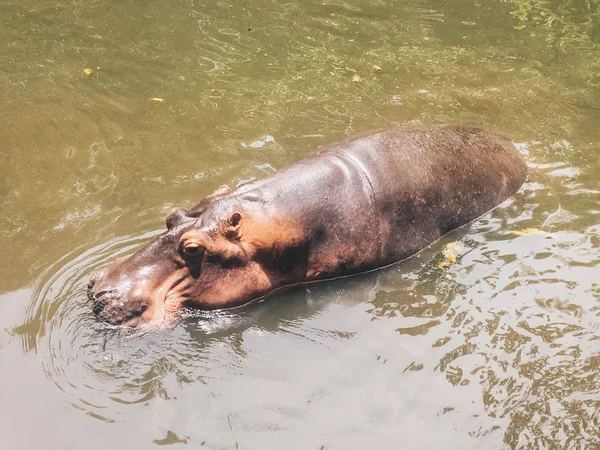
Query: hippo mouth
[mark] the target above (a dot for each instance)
(134, 307)
(111, 306)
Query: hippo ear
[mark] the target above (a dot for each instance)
(174, 217)
(233, 225)
(224, 189)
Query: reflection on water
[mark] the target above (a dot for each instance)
(497, 350)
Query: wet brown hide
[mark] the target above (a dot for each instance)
(351, 207)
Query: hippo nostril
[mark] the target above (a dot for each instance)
(103, 293)
(94, 277)
(99, 300)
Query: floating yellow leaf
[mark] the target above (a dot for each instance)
(450, 253)
(157, 99)
(88, 72)
(376, 68)
(528, 231)
(356, 78)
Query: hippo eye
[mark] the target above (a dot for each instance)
(191, 249)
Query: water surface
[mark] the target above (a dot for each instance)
(499, 350)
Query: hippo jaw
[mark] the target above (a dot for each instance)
(147, 287)
(135, 301)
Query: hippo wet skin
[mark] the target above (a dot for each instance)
(351, 207)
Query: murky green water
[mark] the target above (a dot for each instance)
(500, 350)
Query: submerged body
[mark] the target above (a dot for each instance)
(351, 207)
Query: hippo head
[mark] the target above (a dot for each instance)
(211, 257)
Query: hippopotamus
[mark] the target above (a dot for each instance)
(350, 207)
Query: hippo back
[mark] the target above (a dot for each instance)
(373, 200)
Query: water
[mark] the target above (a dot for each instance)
(498, 350)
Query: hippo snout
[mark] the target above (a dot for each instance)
(100, 298)
(118, 301)
(117, 308)
(96, 297)
(94, 277)
(100, 301)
